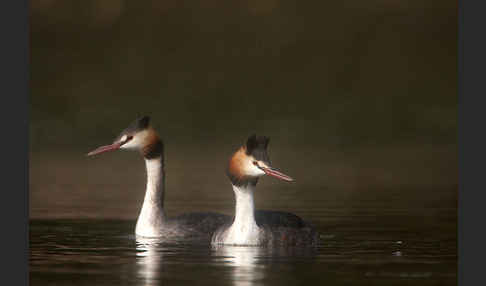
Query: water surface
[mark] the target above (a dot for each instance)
(383, 220)
(105, 252)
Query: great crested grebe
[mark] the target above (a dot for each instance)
(250, 227)
(152, 221)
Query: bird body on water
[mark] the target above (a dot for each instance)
(262, 228)
(152, 220)
(247, 227)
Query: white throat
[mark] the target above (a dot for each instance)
(152, 216)
(244, 229)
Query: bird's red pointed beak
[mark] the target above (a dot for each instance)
(105, 148)
(274, 173)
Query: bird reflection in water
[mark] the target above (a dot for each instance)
(149, 260)
(245, 265)
(248, 262)
(243, 261)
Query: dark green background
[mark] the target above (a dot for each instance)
(355, 95)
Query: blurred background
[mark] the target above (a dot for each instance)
(358, 97)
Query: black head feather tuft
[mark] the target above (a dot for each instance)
(257, 147)
(139, 124)
(254, 142)
(136, 126)
(142, 122)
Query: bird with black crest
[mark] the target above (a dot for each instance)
(152, 220)
(259, 228)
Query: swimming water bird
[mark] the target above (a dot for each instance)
(152, 220)
(250, 227)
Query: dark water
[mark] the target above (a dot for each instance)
(361, 252)
(382, 223)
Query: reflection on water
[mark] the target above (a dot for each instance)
(105, 252)
(238, 255)
(248, 263)
(149, 260)
(243, 262)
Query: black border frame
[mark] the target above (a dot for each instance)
(14, 29)
(471, 142)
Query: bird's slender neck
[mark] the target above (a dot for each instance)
(244, 230)
(152, 215)
(245, 205)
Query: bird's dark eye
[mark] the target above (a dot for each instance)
(128, 138)
(255, 163)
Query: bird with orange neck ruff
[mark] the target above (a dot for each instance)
(259, 228)
(152, 220)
